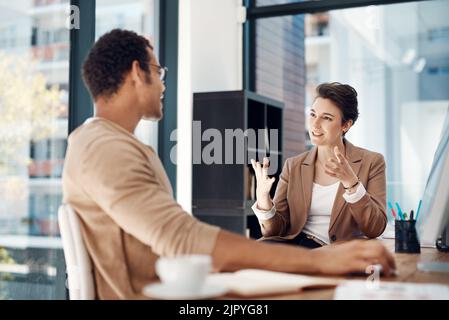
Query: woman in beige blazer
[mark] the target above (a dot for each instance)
(334, 192)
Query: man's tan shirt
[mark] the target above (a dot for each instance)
(118, 187)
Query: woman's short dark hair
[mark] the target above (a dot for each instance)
(344, 96)
(111, 58)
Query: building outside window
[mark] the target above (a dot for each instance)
(34, 75)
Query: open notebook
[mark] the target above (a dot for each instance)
(254, 282)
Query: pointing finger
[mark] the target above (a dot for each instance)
(338, 154)
(336, 150)
(253, 163)
(259, 168)
(256, 167)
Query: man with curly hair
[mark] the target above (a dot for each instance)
(118, 187)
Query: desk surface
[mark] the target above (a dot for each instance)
(406, 265)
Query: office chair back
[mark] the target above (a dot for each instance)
(80, 278)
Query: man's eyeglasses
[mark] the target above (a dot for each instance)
(162, 70)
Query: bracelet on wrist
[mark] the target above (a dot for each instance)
(347, 188)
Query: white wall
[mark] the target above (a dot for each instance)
(210, 59)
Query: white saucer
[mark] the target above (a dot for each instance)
(161, 291)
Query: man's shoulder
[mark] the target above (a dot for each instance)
(92, 128)
(94, 135)
(96, 145)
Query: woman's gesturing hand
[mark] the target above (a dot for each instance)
(340, 168)
(264, 184)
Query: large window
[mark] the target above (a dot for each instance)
(34, 51)
(397, 58)
(34, 76)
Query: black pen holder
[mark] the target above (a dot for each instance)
(406, 239)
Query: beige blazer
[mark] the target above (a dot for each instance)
(118, 187)
(365, 218)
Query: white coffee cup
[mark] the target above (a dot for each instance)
(184, 273)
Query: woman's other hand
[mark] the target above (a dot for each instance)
(340, 168)
(264, 184)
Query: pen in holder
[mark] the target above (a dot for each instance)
(406, 239)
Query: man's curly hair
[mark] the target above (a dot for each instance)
(111, 58)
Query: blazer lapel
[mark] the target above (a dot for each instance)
(355, 160)
(307, 173)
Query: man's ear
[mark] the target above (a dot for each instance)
(137, 74)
